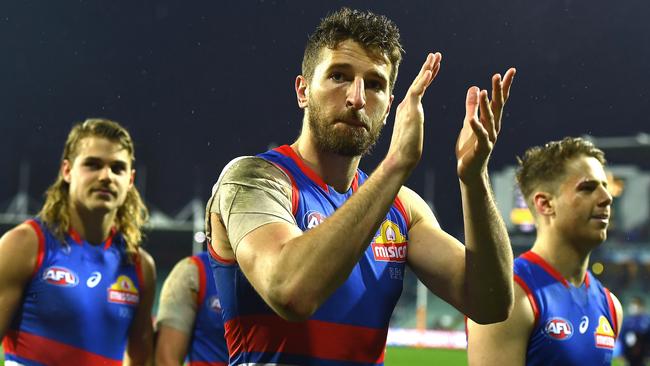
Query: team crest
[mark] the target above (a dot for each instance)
(312, 219)
(123, 291)
(559, 329)
(389, 245)
(604, 334)
(60, 276)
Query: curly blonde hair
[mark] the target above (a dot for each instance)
(130, 217)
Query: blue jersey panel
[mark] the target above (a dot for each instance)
(350, 327)
(82, 298)
(208, 344)
(575, 325)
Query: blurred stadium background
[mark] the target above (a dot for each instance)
(200, 84)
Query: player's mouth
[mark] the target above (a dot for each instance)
(354, 123)
(104, 192)
(604, 218)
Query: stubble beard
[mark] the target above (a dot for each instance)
(350, 142)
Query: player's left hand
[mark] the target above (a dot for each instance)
(479, 133)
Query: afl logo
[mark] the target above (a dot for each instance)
(559, 329)
(312, 219)
(215, 304)
(60, 276)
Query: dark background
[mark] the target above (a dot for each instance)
(199, 83)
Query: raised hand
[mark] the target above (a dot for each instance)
(479, 133)
(406, 143)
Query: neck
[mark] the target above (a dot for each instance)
(336, 171)
(91, 226)
(569, 259)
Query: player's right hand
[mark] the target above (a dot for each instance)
(408, 133)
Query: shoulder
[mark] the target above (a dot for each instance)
(416, 207)
(185, 270)
(184, 275)
(21, 245)
(246, 168)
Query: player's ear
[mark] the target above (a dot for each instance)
(544, 204)
(302, 91)
(390, 103)
(66, 167)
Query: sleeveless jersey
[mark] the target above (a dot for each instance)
(207, 346)
(350, 328)
(573, 325)
(78, 307)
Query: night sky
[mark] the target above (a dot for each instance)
(199, 83)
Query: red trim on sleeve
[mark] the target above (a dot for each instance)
(49, 352)
(295, 193)
(530, 296)
(202, 280)
(535, 258)
(287, 151)
(217, 258)
(315, 338)
(138, 270)
(400, 207)
(41, 245)
(612, 311)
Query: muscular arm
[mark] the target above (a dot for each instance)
(476, 279)
(176, 313)
(488, 256)
(18, 253)
(295, 272)
(503, 343)
(139, 349)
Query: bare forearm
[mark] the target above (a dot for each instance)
(313, 265)
(488, 261)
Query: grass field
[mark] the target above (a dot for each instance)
(405, 356)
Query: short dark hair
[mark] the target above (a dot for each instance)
(372, 31)
(544, 166)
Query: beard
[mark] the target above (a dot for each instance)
(350, 141)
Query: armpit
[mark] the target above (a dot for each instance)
(252, 192)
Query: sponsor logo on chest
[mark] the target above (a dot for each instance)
(389, 245)
(123, 291)
(604, 334)
(559, 329)
(60, 276)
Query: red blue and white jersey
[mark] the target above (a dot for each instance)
(78, 307)
(350, 328)
(208, 345)
(573, 325)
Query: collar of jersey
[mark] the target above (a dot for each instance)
(77, 238)
(535, 258)
(288, 151)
